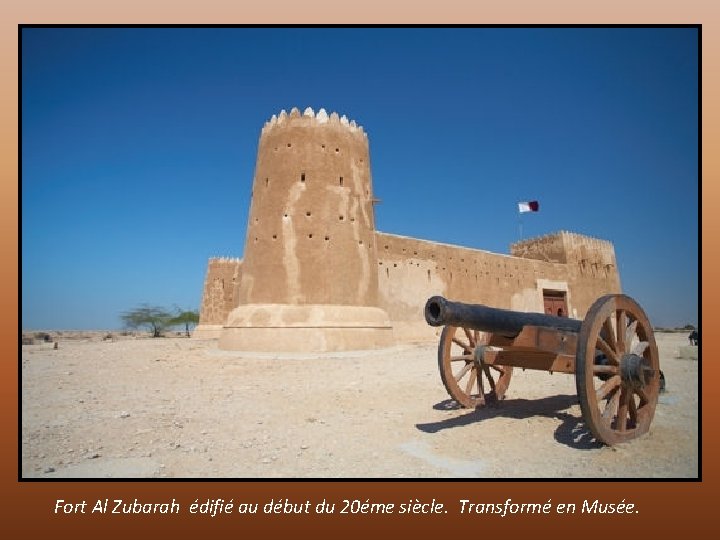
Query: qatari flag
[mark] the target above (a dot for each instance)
(530, 206)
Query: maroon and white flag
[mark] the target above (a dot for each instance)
(529, 206)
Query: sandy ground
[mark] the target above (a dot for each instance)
(178, 407)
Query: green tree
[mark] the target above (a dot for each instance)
(187, 318)
(154, 318)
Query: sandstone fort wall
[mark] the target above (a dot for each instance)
(315, 271)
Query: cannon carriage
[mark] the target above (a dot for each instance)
(612, 353)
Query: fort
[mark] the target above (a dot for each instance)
(317, 276)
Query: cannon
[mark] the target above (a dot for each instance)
(612, 353)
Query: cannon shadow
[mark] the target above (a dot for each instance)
(571, 431)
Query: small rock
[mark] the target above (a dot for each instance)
(49, 469)
(93, 455)
(124, 414)
(304, 447)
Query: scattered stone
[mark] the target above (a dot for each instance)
(124, 414)
(304, 447)
(49, 470)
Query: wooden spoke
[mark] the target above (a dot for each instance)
(465, 346)
(490, 379)
(481, 386)
(621, 328)
(470, 337)
(644, 398)
(608, 351)
(471, 381)
(611, 406)
(609, 385)
(640, 348)
(630, 333)
(600, 369)
(467, 386)
(608, 333)
(621, 420)
(467, 367)
(632, 410)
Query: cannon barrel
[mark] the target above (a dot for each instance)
(442, 312)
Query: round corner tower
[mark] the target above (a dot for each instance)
(309, 278)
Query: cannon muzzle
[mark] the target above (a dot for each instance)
(442, 312)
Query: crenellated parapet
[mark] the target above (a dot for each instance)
(309, 118)
(564, 247)
(317, 276)
(225, 260)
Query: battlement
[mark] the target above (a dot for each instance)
(317, 275)
(309, 118)
(564, 246)
(225, 260)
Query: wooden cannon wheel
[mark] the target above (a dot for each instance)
(466, 382)
(617, 370)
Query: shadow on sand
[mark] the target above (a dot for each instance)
(571, 431)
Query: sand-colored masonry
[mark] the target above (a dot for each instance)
(311, 242)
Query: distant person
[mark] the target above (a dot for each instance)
(694, 337)
(560, 312)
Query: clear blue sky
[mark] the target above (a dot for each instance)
(139, 146)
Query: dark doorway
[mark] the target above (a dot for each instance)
(555, 302)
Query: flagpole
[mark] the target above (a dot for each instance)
(520, 225)
(531, 206)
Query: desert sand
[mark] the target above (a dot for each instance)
(180, 408)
